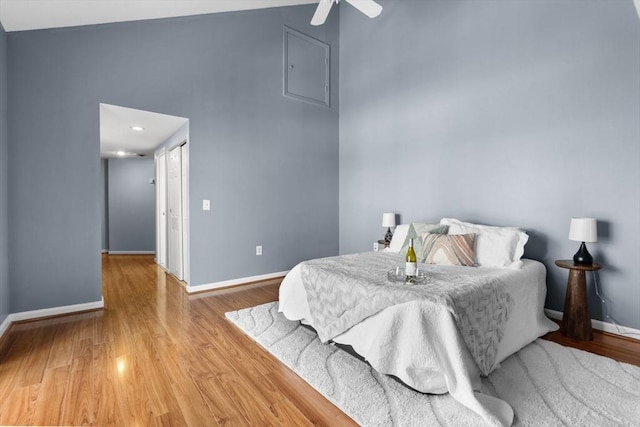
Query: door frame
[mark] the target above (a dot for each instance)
(160, 160)
(184, 183)
(186, 270)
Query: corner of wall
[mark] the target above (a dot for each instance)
(4, 188)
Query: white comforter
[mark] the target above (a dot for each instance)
(419, 342)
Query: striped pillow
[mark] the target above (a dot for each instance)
(449, 249)
(416, 229)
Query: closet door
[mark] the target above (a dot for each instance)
(175, 212)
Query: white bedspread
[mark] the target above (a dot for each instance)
(418, 341)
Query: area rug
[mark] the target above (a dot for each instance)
(546, 384)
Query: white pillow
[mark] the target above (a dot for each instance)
(495, 246)
(399, 236)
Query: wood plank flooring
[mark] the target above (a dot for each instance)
(158, 356)
(622, 348)
(153, 356)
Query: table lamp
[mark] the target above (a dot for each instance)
(388, 220)
(583, 230)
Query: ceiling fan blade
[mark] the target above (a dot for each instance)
(322, 12)
(368, 7)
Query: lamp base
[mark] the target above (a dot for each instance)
(387, 237)
(583, 256)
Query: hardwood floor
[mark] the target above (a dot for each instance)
(156, 355)
(624, 349)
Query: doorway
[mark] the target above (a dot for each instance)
(130, 134)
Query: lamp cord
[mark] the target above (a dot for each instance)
(606, 308)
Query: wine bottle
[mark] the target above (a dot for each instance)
(411, 265)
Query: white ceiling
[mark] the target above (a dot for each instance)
(116, 133)
(19, 15)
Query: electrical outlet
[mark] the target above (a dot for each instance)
(375, 246)
(258, 250)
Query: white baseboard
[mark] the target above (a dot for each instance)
(5, 325)
(47, 312)
(234, 282)
(54, 311)
(132, 252)
(623, 331)
(552, 314)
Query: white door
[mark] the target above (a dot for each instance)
(175, 212)
(184, 152)
(161, 209)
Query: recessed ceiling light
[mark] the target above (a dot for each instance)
(121, 153)
(137, 128)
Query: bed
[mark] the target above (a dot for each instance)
(437, 337)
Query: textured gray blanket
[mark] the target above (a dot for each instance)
(344, 290)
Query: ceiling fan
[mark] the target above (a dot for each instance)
(368, 7)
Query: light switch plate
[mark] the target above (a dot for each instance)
(206, 205)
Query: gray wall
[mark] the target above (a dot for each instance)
(518, 113)
(131, 205)
(268, 163)
(4, 230)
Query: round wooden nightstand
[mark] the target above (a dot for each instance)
(576, 321)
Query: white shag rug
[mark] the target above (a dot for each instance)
(546, 384)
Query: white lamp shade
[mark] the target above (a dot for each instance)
(388, 220)
(583, 230)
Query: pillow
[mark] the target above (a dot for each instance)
(448, 249)
(500, 247)
(416, 229)
(399, 236)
